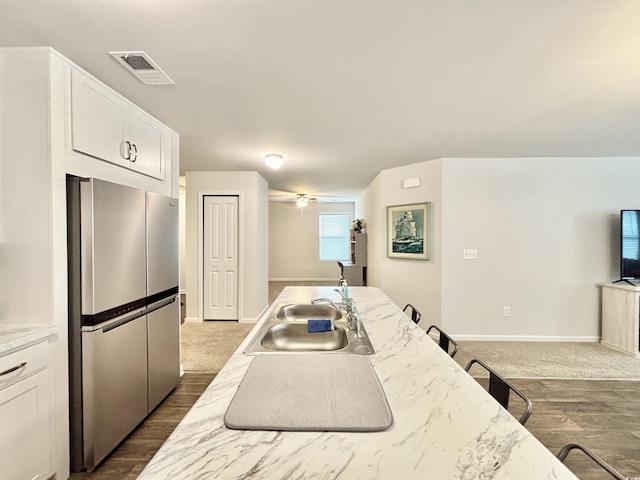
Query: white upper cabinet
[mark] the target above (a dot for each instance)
(106, 126)
(147, 144)
(99, 120)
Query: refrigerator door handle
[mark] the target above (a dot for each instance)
(115, 323)
(159, 305)
(123, 321)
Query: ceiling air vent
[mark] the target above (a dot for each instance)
(141, 65)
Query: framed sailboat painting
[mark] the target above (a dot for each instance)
(408, 233)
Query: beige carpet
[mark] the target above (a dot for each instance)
(562, 360)
(207, 346)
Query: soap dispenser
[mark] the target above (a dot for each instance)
(345, 291)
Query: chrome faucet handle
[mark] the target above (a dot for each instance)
(341, 294)
(357, 332)
(348, 301)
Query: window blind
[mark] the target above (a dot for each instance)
(334, 237)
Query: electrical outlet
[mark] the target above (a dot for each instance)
(506, 311)
(470, 253)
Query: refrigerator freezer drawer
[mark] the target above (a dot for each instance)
(114, 390)
(163, 330)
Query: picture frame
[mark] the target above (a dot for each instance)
(408, 232)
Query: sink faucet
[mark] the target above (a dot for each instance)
(327, 300)
(353, 320)
(347, 301)
(350, 306)
(332, 303)
(354, 323)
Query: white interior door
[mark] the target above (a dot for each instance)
(220, 267)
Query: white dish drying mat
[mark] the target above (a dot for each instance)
(310, 392)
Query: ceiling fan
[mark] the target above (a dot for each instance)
(300, 199)
(292, 197)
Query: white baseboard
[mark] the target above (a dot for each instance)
(304, 280)
(621, 350)
(254, 320)
(525, 338)
(240, 320)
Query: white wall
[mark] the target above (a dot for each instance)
(294, 241)
(252, 190)
(546, 231)
(25, 192)
(404, 281)
(182, 209)
(546, 234)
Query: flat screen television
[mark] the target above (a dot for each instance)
(630, 244)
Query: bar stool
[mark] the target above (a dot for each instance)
(564, 451)
(500, 389)
(444, 341)
(341, 265)
(415, 314)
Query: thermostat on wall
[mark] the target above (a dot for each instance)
(411, 182)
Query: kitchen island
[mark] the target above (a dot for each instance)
(445, 424)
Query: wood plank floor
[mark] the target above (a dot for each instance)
(130, 458)
(602, 415)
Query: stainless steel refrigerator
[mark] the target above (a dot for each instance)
(124, 349)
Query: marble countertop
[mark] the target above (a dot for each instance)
(14, 337)
(445, 424)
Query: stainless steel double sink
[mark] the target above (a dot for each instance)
(285, 331)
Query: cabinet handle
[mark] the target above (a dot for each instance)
(17, 367)
(125, 150)
(135, 153)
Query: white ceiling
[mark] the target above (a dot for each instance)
(344, 89)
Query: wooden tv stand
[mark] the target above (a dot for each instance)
(621, 317)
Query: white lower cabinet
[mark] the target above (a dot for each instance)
(25, 414)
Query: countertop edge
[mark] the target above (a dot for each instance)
(14, 337)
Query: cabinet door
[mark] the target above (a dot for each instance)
(147, 136)
(24, 437)
(99, 120)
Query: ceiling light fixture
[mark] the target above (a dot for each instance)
(302, 200)
(273, 160)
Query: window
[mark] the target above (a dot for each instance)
(334, 237)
